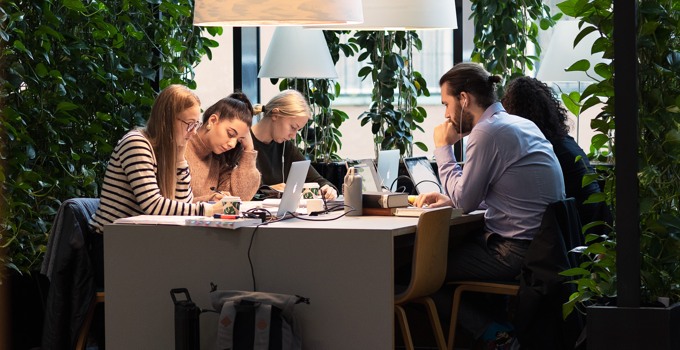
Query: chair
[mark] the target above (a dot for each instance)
(540, 288)
(479, 287)
(428, 271)
(68, 264)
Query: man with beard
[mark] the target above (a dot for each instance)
(511, 170)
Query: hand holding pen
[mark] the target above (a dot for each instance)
(217, 195)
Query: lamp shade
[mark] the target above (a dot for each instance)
(561, 54)
(243, 13)
(403, 15)
(298, 53)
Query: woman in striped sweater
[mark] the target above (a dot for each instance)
(147, 172)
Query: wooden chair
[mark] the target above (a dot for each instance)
(81, 342)
(479, 287)
(428, 271)
(546, 256)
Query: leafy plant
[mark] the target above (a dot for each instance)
(658, 54)
(504, 31)
(388, 55)
(76, 76)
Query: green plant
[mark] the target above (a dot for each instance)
(390, 67)
(76, 76)
(504, 31)
(659, 150)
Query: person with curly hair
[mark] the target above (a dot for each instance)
(534, 100)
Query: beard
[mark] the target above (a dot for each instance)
(466, 127)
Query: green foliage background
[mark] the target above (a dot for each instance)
(76, 75)
(658, 54)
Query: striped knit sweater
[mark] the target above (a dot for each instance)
(130, 187)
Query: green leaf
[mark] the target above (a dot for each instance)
(582, 34)
(604, 70)
(577, 271)
(74, 5)
(571, 101)
(66, 106)
(597, 197)
(579, 66)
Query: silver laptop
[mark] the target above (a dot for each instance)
(388, 168)
(370, 181)
(293, 190)
(422, 174)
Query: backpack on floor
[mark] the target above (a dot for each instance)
(256, 320)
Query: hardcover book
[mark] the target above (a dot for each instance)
(384, 200)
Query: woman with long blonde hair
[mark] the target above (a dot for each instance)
(147, 172)
(274, 139)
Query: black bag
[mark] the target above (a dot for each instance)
(256, 320)
(187, 330)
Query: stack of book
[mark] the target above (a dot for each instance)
(383, 203)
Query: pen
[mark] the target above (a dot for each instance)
(225, 216)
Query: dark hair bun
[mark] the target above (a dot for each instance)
(238, 95)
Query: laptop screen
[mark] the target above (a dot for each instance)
(424, 178)
(294, 185)
(388, 168)
(369, 178)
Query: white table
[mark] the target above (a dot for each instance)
(345, 268)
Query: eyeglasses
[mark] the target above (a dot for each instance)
(191, 126)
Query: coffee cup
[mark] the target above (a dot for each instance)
(232, 205)
(311, 190)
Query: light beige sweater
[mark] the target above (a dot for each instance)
(208, 170)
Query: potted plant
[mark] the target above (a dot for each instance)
(654, 323)
(504, 31)
(393, 118)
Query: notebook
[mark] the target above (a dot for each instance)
(388, 168)
(294, 185)
(422, 174)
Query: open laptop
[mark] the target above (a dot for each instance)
(422, 174)
(388, 168)
(370, 181)
(294, 185)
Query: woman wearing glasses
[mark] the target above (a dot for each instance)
(147, 172)
(274, 139)
(221, 154)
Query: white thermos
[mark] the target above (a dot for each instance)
(351, 190)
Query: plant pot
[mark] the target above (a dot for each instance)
(612, 327)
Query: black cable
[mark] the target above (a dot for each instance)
(295, 215)
(265, 221)
(269, 221)
(438, 185)
(401, 177)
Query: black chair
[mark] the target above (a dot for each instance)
(540, 291)
(73, 264)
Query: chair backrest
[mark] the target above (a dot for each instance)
(429, 254)
(68, 265)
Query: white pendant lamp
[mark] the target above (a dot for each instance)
(244, 13)
(298, 53)
(403, 15)
(561, 54)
